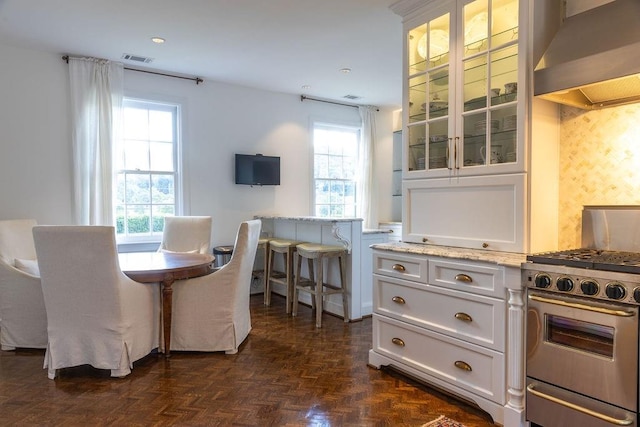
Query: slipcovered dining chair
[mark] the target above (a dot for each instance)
(23, 318)
(186, 234)
(211, 313)
(96, 315)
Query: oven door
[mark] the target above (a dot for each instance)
(585, 346)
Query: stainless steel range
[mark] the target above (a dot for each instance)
(582, 325)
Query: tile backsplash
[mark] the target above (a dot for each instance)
(599, 163)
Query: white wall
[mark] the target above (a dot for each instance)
(219, 121)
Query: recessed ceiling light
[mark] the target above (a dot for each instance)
(158, 40)
(306, 86)
(345, 70)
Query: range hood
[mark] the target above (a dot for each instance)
(594, 59)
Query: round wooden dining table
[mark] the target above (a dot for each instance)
(165, 268)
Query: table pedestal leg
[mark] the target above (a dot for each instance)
(167, 299)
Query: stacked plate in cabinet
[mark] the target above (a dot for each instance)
(509, 122)
(481, 126)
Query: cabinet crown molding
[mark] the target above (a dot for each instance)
(406, 7)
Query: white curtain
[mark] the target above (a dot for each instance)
(367, 185)
(96, 104)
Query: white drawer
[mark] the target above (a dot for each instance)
(441, 357)
(473, 318)
(464, 276)
(400, 265)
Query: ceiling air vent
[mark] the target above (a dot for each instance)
(136, 58)
(352, 97)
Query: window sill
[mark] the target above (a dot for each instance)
(138, 247)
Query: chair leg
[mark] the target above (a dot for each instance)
(294, 294)
(51, 373)
(319, 293)
(265, 268)
(312, 283)
(267, 282)
(345, 306)
(289, 274)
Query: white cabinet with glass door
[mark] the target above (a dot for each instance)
(461, 109)
(469, 114)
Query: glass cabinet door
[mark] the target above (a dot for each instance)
(428, 55)
(489, 71)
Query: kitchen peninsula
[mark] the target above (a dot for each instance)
(347, 232)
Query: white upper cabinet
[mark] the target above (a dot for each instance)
(461, 104)
(480, 158)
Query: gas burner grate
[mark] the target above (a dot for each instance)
(595, 259)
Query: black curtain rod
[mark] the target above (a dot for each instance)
(303, 97)
(198, 80)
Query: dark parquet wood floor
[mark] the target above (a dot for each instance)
(287, 373)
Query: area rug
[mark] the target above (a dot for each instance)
(443, 421)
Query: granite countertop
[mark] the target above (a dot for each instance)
(507, 259)
(307, 218)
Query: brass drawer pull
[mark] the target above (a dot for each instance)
(398, 267)
(397, 341)
(463, 316)
(463, 365)
(461, 277)
(398, 300)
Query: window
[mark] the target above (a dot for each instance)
(335, 162)
(146, 169)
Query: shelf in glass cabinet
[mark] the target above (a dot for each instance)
(509, 35)
(501, 135)
(433, 113)
(481, 102)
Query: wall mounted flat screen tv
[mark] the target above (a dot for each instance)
(257, 169)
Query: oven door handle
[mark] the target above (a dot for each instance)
(603, 417)
(620, 313)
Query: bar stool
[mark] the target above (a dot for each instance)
(263, 245)
(287, 248)
(318, 288)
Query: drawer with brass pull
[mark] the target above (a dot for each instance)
(400, 265)
(473, 318)
(474, 368)
(469, 277)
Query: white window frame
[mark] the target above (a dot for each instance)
(333, 124)
(177, 107)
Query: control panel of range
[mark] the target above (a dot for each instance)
(623, 288)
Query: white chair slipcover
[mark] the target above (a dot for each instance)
(211, 313)
(186, 234)
(23, 318)
(96, 315)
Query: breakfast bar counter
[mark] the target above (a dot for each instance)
(347, 232)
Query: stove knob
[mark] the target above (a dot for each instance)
(564, 284)
(589, 287)
(615, 291)
(636, 294)
(542, 280)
